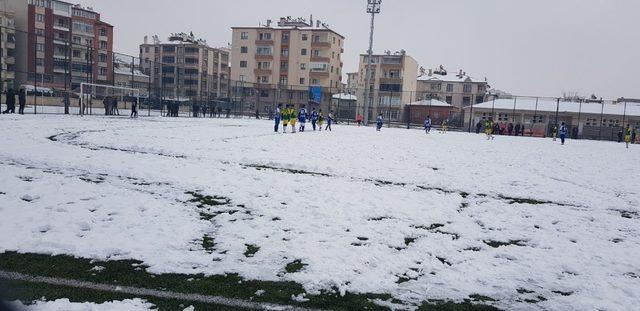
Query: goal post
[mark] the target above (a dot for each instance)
(107, 96)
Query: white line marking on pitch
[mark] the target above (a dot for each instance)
(137, 291)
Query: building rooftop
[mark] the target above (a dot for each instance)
(550, 105)
(293, 23)
(443, 75)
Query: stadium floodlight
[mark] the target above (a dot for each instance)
(373, 8)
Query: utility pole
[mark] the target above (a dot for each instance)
(373, 8)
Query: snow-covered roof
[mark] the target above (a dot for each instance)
(344, 96)
(430, 102)
(450, 77)
(550, 105)
(127, 71)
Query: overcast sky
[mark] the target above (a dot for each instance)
(541, 47)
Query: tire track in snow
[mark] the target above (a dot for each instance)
(146, 292)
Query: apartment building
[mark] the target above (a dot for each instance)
(7, 50)
(185, 68)
(295, 55)
(393, 84)
(457, 89)
(352, 82)
(62, 44)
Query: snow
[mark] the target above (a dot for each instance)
(396, 212)
(344, 96)
(549, 105)
(430, 102)
(66, 305)
(450, 77)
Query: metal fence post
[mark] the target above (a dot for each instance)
(601, 120)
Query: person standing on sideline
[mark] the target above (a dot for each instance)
(320, 120)
(329, 121)
(427, 124)
(285, 119)
(379, 122)
(278, 117)
(11, 102)
(554, 132)
(134, 108)
(302, 117)
(563, 132)
(488, 128)
(633, 136)
(627, 135)
(22, 100)
(359, 119)
(478, 127)
(314, 118)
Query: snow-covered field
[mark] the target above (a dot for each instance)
(419, 217)
(66, 305)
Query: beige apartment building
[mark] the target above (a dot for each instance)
(457, 89)
(7, 50)
(287, 63)
(393, 84)
(185, 68)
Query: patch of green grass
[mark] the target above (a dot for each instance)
(478, 297)
(251, 250)
(442, 305)
(295, 266)
(409, 240)
(207, 200)
(208, 243)
(496, 244)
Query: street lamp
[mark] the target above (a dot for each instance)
(373, 8)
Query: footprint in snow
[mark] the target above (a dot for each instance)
(29, 198)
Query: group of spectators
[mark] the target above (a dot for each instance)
(502, 128)
(11, 101)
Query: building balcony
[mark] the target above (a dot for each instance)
(10, 60)
(264, 42)
(64, 28)
(57, 69)
(397, 80)
(9, 45)
(319, 74)
(264, 57)
(320, 59)
(321, 44)
(60, 42)
(262, 72)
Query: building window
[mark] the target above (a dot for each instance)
(303, 66)
(449, 88)
(39, 47)
(264, 79)
(103, 45)
(103, 71)
(449, 100)
(466, 101)
(503, 117)
(102, 58)
(466, 88)
(168, 59)
(244, 35)
(284, 81)
(103, 32)
(76, 53)
(244, 50)
(264, 65)
(303, 52)
(314, 82)
(39, 62)
(264, 50)
(285, 37)
(265, 36)
(168, 49)
(243, 64)
(40, 18)
(302, 81)
(304, 37)
(285, 52)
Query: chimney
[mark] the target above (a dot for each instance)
(318, 24)
(146, 39)
(460, 73)
(430, 72)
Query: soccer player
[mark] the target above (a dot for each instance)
(302, 117)
(292, 118)
(488, 128)
(445, 126)
(563, 132)
(329, 121)
(314, 118)
(320, 120)
(285, 119)
(554, 132)
(278, 117)
(627, 136)
(379, 122)
(427, 124)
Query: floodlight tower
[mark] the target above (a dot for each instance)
(373, 8)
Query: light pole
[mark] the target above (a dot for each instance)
(373, 8)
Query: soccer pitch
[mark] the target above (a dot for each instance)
(348, 219)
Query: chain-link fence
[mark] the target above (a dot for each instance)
(51, 70)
